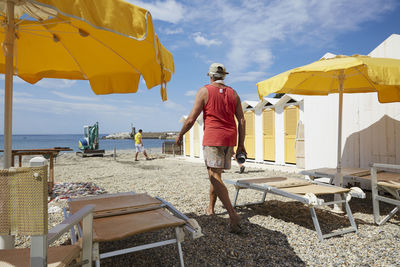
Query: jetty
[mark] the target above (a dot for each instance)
(145, 135)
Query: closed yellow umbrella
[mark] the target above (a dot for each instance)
(342, 74)
(109, 43)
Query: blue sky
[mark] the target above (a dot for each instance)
(254, 39)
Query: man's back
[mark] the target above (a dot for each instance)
(218, 114)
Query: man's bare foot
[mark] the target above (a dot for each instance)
(235, 227)
(210, 212)
(236, 220)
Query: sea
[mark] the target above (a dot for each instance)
(38, 141)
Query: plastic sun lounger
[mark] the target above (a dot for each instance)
(118, 216)
(388, 182)
(303, 191)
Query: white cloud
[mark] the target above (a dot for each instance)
(168, 10)
(26, 104)
(190, 93)
(201, 40)
(251, 96)
(171, 31)
(22, 94)
(251, 76)
(73, 97)
(174, 106)
(60, 107)
(55, 83)
(16, 93)
(250, 30)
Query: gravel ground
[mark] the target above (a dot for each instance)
(279, 232)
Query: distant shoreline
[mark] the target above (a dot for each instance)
(145, 135)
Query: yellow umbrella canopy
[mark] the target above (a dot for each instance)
(109, 43)
(341, 74)
(356, 74)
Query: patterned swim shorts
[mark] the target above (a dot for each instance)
(219, 157)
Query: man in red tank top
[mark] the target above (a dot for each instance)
(220, 105)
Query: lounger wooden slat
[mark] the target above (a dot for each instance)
(58, 256)
(131, 224)
(115, 203)
(303, 191)
(316, 190)
(278, 182)
(390, 183)
(123, 215)
(331, 172)
(24, 211)
(353, 176)
(384, 176)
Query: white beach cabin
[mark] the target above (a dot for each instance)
(302, 130)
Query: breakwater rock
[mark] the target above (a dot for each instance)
(123, 135)
(146, 135)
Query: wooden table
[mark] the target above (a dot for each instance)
(50, 152)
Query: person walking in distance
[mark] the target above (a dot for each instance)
(139, 145)
(220, 105)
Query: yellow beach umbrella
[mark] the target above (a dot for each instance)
(342, 74)
(109, 43)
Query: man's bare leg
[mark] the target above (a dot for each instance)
(220, 190)
(145, 154)
(213, 200)
(137, 153)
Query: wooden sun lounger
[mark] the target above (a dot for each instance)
(388, 182)
(351, 176)
(304, 191)
(118, 216)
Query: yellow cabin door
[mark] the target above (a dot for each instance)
(249, 137)
(196, 140)
(269, 134)
(187, 143)
(291, 117)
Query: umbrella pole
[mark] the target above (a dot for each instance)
(7, 241)
(339, 176)
(8, 84)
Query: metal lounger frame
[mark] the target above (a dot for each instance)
(376, 197)
(320, 202)
(180, 235)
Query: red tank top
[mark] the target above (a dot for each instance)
(219, 117)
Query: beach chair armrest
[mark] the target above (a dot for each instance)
(385, 166)
(196, 233)
(191, 225)
(69, 222)
(356, 192)
(313, 200)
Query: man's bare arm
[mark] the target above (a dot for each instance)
(241, 125)
(199, 102)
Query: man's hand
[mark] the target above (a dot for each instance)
(241, 149)
(178, 139)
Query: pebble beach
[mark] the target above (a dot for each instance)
(279, 232)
